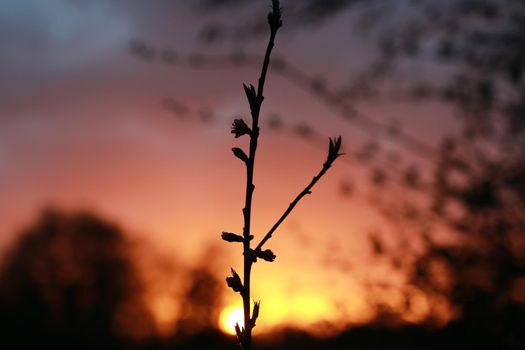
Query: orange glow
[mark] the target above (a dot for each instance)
(303, 311)
(311, 308)
(165, 312)
(230, 316)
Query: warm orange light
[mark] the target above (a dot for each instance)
(165, 312)
(229, 317)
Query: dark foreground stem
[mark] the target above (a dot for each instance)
(255, 107)
(255, 99)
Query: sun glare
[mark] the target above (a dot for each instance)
(229, 316)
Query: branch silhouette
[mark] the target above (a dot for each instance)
(315, 88)
(408, 179)
(333, 154)
(240, 128)
(302, 80)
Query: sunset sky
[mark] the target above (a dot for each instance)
(82, 126)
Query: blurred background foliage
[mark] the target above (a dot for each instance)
(72, 279)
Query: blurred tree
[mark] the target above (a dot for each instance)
(200, 303)
(478, 190)
(70, 281)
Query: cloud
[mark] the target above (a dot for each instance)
(58, 34)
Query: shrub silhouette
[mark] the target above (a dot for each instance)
(200, 302)
(69, 281)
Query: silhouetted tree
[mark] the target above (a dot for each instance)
(478, 190)
(200, 302)
(69, 281)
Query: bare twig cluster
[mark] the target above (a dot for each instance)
(342, 103)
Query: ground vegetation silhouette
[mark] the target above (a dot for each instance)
(69, 281)
(74, 280)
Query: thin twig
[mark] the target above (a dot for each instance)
(307, 190)
(255, 107)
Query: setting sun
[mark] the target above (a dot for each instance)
(229, 316)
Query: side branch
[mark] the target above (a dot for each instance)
(333, 154)
(307, 190)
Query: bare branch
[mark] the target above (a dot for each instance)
(333, 154)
